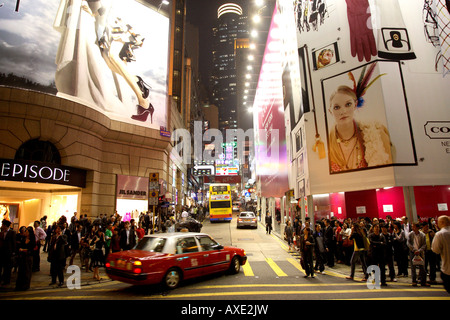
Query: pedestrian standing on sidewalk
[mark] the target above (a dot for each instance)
(57, 256)
(75, 243)
(108, 237)
(19, 238)
(289, 234)
(347, 244)
(400, 250)
(40, 239)
(330, 242)
(417, 246)
(441, 246)
(86, 251)
(339, 241)
(376, 251)
(26, 251)
(49, 232)
(430, 256)
(97, 243)
(268, 222)
(306, 250)
(319, 249)
(7, 250)
(389, 249)
(359, 252)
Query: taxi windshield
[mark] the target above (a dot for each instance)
(152, 244)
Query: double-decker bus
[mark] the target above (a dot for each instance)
(220, 202)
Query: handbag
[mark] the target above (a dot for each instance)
(418, 261)
(347, 242)
(366, 243)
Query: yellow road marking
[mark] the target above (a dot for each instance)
(296, 264)
(307, 292)
(275, 268)
(281, 285)
(248, 272)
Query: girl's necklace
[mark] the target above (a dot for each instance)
(355, 146)
(344, 141)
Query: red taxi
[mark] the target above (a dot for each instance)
(168, 258)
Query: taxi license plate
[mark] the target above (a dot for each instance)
(123, 264)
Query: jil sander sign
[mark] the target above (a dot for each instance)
(30, 171)
(131, 187)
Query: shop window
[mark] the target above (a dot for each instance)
(37, 150)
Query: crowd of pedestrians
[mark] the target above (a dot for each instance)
(82, 241)
(395, 246)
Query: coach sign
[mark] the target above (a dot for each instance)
(30, 171)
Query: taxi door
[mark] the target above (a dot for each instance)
(189, 257)
(215, 259)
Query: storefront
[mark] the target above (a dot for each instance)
(31, 190)
(132, 196)
(430, 202)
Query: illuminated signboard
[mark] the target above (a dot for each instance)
(227, 164)
(270, 145)
(32, 171)
(131, 187)
(111, 56)
(227, 171)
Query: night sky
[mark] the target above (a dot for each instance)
(203, 14)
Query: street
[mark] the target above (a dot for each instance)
(271, 273)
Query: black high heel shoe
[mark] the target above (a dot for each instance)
(145, 88)
(143, 113)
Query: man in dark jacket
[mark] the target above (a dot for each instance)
(57, 255)
(7, 250)
(75, 239)
(376, 252)
(268, 222)
(389, 250)
(329, 242)
(319, 249)
(127, 237)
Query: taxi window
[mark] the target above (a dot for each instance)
(152, 244)
(207, 243)
(186, 245)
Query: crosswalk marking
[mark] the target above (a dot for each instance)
(248, 271)
(276, 268)
(296, 264)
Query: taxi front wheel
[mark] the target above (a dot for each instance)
(235, 265)
(172, 278)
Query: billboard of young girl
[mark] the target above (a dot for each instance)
(357, 120)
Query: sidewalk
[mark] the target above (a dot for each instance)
(342, 270)
(40, 280)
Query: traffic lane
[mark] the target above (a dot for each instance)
(257, 244)
(210, 289)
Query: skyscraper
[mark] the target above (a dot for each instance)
(231, 25)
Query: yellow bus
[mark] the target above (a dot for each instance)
(220, 202)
